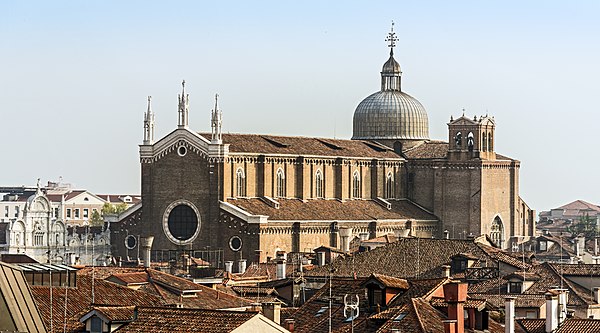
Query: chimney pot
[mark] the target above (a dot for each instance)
(509, 317)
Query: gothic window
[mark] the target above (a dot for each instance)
(240, 181)
(319, 184)
(356, 192)
(490, 142)
(484, 141)
(497, 232)
(280, 193)
(38, 238)
(458, 140)
(389, 186)
(470, 141)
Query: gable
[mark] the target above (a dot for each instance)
(181, 137)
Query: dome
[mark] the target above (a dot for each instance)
(391, 66)
(390, 114)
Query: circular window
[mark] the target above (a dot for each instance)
(181, 150)
(235, 243)
(181, 222)
(130, 242)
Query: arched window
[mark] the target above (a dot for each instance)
(484, 141)
(240, 181)
(490, 142)
(319, 193)
(458, 140)
(356, 192)
(470, 141)
(497, 232)
(389, 186)
(280, 191)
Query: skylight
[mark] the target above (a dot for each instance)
(321, 311)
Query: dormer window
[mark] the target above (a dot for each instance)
(375, 297)
(543, 245)
(515, 287)
(95, 325)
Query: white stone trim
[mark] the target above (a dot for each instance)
(165, 223)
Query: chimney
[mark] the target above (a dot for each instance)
(146, 244)
(345, 234)
(229, 267)
(545, 232)
(551, 311)
(446, 234)
(281, 274)
(289, 325)
(580, 245)
(562, 304)
(449, 326)
(455, 295)
(446, 271)
(241, 266)
(509, 315)
(272, 310)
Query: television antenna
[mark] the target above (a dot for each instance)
(353, 309)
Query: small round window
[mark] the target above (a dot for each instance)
(130, 242)
(181, 222)
(181, 150)
(235, 243)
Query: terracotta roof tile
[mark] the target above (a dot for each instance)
(298, 145)
(170, 320)
(117, 313)
(428, 150)
(328, 210)
(76, 300)
(407, 258)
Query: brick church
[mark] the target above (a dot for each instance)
(250, 195)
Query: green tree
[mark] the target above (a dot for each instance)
(585, 226)
(96, 219)
(109, 208)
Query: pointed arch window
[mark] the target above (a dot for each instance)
(280, 190)
(490, 142)
(319, 190)
(240, 182)
(356, 192)
(389, 185)
(497, 232)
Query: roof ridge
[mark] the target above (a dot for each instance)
(414, 308)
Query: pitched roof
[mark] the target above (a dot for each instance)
(299, 145)
(328, 210)
(428, 150)
(407, 258)
(170, 320)
(570, 325)
(16, 298)
(580, 205)
(388, 281)
(74, 301)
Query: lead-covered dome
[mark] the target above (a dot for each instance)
(390, 114)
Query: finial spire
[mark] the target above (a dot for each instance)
(184, 101)
(391, 39)
(216, 122)
(149, 124)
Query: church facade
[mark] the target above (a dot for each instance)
(254, 195)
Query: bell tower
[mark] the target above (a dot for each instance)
(471, 138)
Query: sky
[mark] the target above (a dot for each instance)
(75, 76)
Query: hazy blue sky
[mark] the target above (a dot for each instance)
(74, 76)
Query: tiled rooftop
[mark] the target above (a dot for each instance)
(307, 146)
(329, 210)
